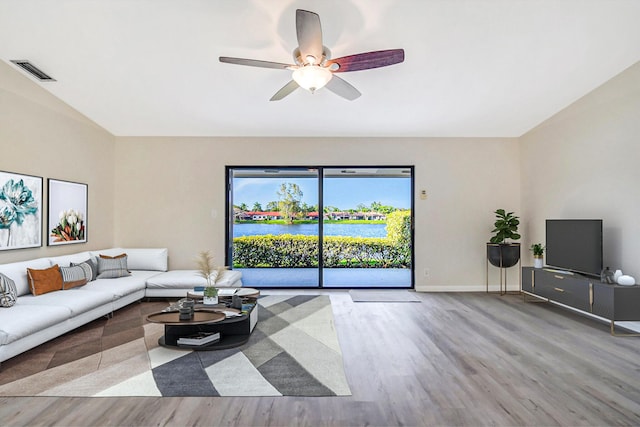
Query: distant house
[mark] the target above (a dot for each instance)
(264, 216)
(240, 215)
(376, 216)
(338, 216)
(312, 216)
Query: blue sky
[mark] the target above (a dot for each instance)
(344, 193)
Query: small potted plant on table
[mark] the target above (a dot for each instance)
(538, 255)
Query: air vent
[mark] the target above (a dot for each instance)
(33, 70)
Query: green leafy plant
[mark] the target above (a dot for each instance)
(506, 227)
(290, 198)
(298, 251)
(210, 291)
(537, 249)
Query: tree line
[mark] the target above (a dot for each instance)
(290, 204)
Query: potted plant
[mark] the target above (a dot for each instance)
(206, 269)
(210, 296)
(501, 252)
(538, 254)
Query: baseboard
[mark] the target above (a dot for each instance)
(462, 288)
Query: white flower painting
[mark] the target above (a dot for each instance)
(67, 212)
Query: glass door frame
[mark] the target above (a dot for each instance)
(229, 214)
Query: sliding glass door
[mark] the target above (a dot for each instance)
(367, 227)
(274, 226)
(334, 227)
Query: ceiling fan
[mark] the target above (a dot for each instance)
(314, 68)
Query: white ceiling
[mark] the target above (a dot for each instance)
(482, 68)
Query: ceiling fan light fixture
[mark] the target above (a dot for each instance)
(313, 69)
(312, 77)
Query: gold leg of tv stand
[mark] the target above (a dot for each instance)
(615, 334)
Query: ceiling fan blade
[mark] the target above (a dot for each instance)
(286, 90)
(309, 34)
(342, 88)
(365, 61)
(255, 63)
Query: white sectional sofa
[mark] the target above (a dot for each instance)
(34, 320)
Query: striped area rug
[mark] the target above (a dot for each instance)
(293, 351)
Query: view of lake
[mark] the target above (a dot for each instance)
(352, 230)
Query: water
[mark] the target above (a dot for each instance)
(351, 230)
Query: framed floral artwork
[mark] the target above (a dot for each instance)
(20, 211)
(67, 219)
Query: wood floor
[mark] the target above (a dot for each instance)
(453, 359)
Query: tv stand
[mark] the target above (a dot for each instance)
(615, 303)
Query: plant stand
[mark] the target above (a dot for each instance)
(503, 263)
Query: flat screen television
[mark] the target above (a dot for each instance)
(574, 245)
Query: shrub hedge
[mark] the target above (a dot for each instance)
(299, 251)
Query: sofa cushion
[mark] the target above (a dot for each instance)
(232, 278)
(76, 301)
(123, 286)
(149, 259)
(177, 279)
(17, 271)
(188, 279)
(110, 252)
(73, 277)
(8, 292)
(67, 260)
(46, 280)
(23, 320)
(112, 268)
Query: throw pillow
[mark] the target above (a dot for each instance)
(43, 281)
(92, 264)
(73, 277)
(8, 291)
(112, 268)
(88, 271)
(113, 257)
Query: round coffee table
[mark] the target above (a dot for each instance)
(234, 331)
(176, 328)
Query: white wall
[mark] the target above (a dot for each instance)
(42, 136)
(584, 162)
(171, 192)
(580, 163)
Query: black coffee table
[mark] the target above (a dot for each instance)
(234, 331)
